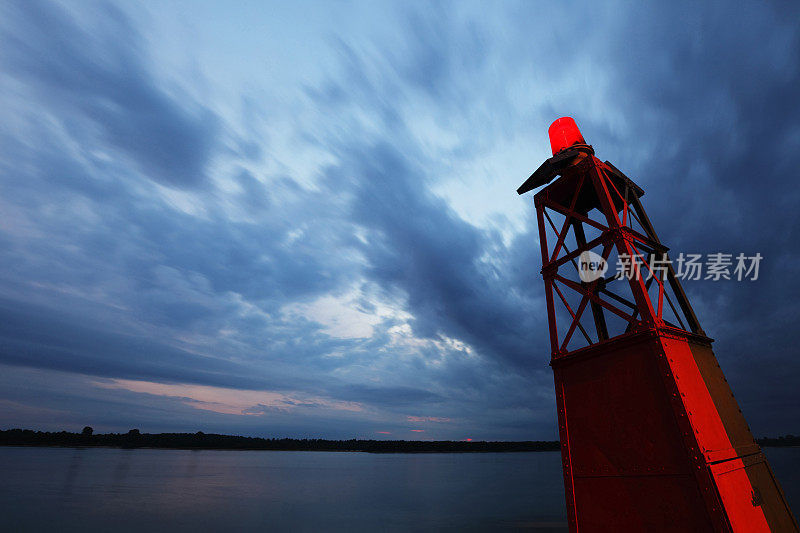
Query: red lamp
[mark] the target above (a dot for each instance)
(563, 134)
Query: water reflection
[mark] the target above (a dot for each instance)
(72, 472)
(121, 468)
(97, 489)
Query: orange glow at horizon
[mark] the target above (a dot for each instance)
(229, 401)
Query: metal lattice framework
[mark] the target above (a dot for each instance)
(595, 197)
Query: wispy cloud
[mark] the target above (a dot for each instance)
(99, 81)
(437, 419)
(230, 401)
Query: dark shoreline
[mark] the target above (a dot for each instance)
(211, 441)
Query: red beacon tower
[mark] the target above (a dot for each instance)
(652, 438)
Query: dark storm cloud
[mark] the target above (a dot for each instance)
(177, 270)
(699, 109)
(100, 79)
(721, 126)
(460, 280)
(395, 397)
(33, 336)
(715, 148)
(422, 247)
(99, 232)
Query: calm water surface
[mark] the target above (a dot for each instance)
(93, 489)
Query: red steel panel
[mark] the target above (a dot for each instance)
(645, 446)
(748, 483)
(643, 503)
(629, 469)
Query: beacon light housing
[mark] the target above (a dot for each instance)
(563, 134)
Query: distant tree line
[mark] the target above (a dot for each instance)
(786, 440)
(210, 441)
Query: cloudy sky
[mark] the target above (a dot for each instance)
(300, 219)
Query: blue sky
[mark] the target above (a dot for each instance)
(300, 219)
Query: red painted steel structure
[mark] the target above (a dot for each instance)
(652, 437)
